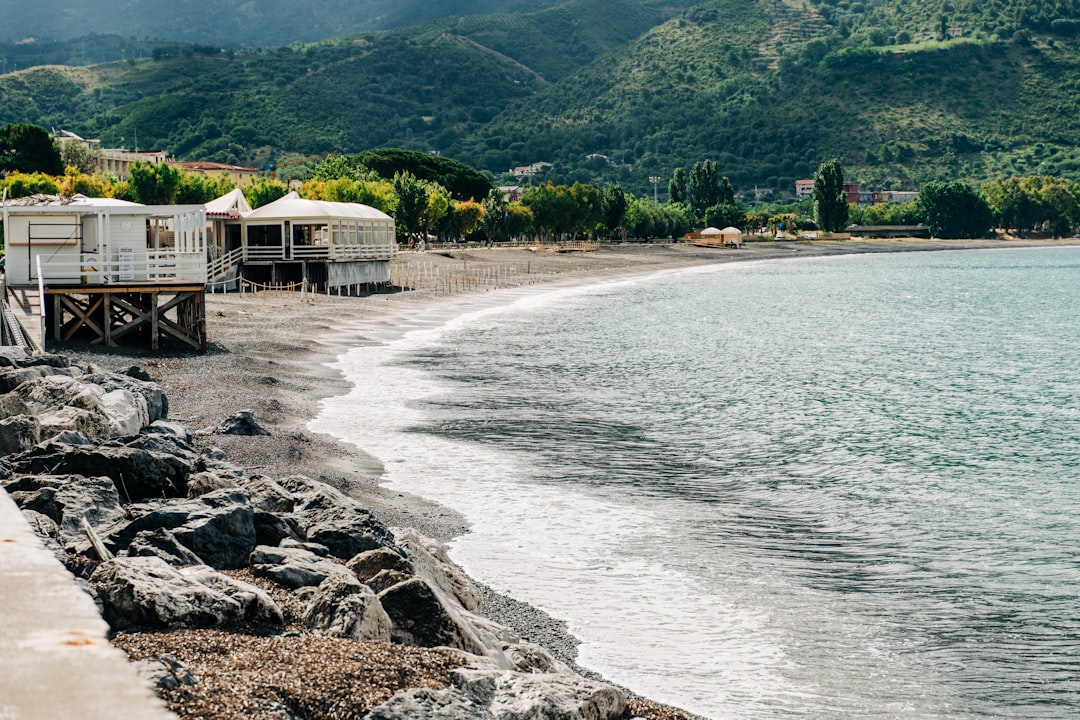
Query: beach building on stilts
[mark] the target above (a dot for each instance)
(327, 245)
(104, 269)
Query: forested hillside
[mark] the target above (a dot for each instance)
(233, 23)
(621, 90)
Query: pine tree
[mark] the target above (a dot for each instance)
(830, 201)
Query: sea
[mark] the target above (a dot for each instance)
(842, 487)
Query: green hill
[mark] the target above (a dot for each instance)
(621, 90)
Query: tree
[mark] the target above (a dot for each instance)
(614, 208)
(28, 149)
(463, 182)
(954, 210)
(677, 187)
(830, 201)
(411, 203)
(85, 159)
(727, 192)
(727, 214)
(152, 183)
(264, 191)
(703, 187)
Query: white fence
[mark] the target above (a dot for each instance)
(153, 266)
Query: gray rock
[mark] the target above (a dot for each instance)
(521, 696)
(368, 564)
(268, 495)
(293, 567)
(320, 550)
(146, 592)
(344, 607)
(19, 433)
(256, 605)
(421, 617)
(163, 544)
(62, 402)
(428, 704)
(12, 379)
(385, 579)
(219, 527)
(274, 530)
(430, 561)
(207, 481)
(339, 522)
(242, 422)
(137, 474)
(167, 427)
(67, 499)
(68, 437)
(157, 405)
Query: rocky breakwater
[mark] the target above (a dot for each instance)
(170, 537)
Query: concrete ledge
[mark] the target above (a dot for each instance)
(55, 660)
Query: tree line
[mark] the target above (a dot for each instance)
(440, 198)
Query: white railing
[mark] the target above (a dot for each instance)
(41, 304)
(255, 254)
(154, 266)
(322, 252)
(224, 263)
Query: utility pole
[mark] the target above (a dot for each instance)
(655, 180)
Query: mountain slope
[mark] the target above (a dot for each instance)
(234, 23)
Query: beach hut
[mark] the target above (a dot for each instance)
(715, 237)
(332, 243)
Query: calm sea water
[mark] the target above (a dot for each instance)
(833, 488)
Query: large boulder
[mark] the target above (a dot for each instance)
(67, 500)
(293, 567)
(335, 520)
(146, 592)
(163, 544)
(344, 607)
(429, 560)
(524, 696)
(422, 617)
(85, 407)
(138, 474)
(157, 405)
(218, 527)
(12, 379)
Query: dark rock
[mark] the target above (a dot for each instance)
(68, 437)
(316, 548)
(385, 579)
(138, 373)
(430, 561)
(164, 443)
(343, 607)
(163, 544)
(273, 530)
(138, 474)
(11, 379)
(269, 496)
(241, 422)
(67, 499)
(339, 522)
(146, 592)
(219, 527)
(19, 433)
(256, 605)
(292, 567)
(422, 618)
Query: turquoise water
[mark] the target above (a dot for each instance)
(842, 487)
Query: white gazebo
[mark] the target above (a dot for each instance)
(715, 237)
(349, 242)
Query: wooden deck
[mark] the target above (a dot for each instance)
(107, 313)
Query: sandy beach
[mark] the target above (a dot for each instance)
(271, 353)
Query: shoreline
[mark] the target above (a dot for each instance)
(277, 355)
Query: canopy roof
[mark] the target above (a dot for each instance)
(711, 231)
(231, 204)
(295, 208)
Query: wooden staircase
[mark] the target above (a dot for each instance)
(23, 306)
